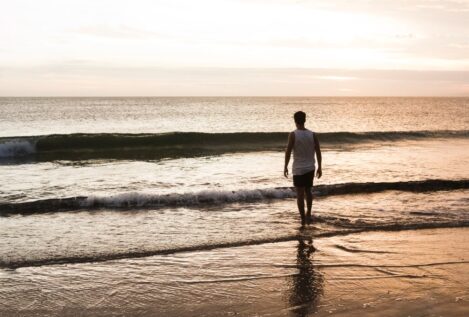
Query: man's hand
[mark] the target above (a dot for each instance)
(319, 172)
(288, 150)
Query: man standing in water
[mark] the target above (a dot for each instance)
(304, 144)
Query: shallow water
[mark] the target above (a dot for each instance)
(396, 161)
(83, 236)
(410, 272)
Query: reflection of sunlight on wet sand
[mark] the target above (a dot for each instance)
(403, 273)
(379, 273)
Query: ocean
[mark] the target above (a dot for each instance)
(111, 183)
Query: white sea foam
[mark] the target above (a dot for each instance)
(16, 148)
(187, 199)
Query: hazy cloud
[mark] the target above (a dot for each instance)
(88, 79)
(121, 31)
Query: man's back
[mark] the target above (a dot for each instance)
(303, 152)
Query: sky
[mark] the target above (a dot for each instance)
(234, 48)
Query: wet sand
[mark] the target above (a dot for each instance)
(402, 273)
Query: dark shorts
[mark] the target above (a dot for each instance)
(305, 180)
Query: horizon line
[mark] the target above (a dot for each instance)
(243, 96)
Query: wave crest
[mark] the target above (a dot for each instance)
(214, 197)
(17, 148)
(129, 200)
(184, 144)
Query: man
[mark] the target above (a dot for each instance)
(304, 144)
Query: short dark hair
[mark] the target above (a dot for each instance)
(300, 117)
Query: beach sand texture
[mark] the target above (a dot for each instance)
(404, 273)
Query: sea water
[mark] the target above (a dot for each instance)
(100, 179)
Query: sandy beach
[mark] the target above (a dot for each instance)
(401, 273)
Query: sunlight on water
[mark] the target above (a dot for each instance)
(396, 161)
(184, 224)
(40, 116)
(119, 233)
(368, 273)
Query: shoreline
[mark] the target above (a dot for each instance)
(392, 273)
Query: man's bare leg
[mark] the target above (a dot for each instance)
(309, 204)
(300, 200)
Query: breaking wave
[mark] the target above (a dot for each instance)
(182, 144)
(15, 148)
(214, 197)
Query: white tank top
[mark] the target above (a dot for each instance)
(303, 152)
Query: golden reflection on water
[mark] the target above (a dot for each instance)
(306, 287)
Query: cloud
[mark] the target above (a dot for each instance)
(443, 5)
(120, 31)
(336, 78)
(82, 78)
(235, 47)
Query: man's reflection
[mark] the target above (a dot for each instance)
(306, 286)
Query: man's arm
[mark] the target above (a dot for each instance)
(317, 148)
(291, 142)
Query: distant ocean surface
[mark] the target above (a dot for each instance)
(96, 179)
(45, 116)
